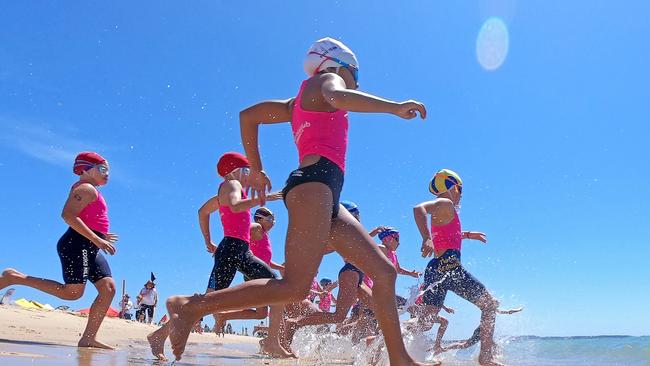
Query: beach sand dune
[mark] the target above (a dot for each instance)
(41, 337)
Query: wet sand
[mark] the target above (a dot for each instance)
(40, 337)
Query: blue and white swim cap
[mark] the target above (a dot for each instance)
(351, 207)
(320, 53)
(388, 232)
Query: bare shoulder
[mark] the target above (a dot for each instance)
(84, 190)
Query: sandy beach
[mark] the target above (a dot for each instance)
(41, 337)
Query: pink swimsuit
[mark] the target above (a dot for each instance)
(320, 133)
(236, 224)
(392, 257)
(325, 301)
(447, 236)
(95, 214)
(262, 248)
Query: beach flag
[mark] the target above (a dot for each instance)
(111, 312)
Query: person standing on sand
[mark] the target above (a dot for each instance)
(149, 300)
(86, 212)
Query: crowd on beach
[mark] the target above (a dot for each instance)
(365, 307)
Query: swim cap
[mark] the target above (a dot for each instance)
(324, 282)
(443, 181)
(231, 161)
(86, 160)
(263, 213)
(350, 206)
(317, 56)
(388, 232)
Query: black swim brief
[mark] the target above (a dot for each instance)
(323, 171)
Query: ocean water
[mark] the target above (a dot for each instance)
(328, 349)
(525, 351)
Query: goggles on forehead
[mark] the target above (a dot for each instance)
(353, 69)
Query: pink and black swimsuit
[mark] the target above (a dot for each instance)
(324, 134)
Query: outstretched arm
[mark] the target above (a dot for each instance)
(474, 235)
(336, 94)
(268, 112)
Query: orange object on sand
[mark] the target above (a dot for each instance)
(111, 312)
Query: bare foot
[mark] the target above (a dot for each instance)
(274, 349)
(157, 344)
(8, 277)
(93, 343)
(180, 323)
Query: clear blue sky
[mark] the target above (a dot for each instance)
(550, 145)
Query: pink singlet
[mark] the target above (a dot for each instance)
(95, 214)
(320, 133)
(392, 257)
(326, 302)
(236, 224)
(447, 236)
(262, 248)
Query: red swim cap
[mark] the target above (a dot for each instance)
(231, 161)
(86, 160)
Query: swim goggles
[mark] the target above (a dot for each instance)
(353, 69)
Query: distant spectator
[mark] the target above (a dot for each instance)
(125, 307)
(149, 300)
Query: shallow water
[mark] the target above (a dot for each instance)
(19, 353)
(329, 349)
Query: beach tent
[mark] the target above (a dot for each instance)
(28, 304)
(111, 312)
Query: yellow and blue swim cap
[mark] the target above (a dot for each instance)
(444, 180)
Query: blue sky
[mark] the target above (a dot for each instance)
(550, 145)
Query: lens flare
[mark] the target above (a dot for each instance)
(492, 44)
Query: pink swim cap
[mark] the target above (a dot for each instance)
(86, 160)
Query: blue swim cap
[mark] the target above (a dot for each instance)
(325, 281)
(389, 231)
(350, 206)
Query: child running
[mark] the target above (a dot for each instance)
(86, 212)
(260, 246)
(389, 237)
(233, 253)
(445, 271)
(319, 121)
(352, 286)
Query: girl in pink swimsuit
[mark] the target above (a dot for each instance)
(233, 253)
(319, 121)
(86, 213)
(445, 272)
